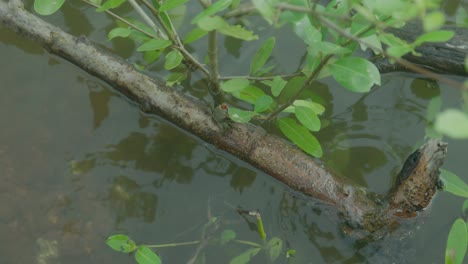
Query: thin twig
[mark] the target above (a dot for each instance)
(263, 78)
(146, 18)
(133, 26)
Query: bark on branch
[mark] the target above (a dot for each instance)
(252, 144)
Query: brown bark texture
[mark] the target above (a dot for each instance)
(252, 144)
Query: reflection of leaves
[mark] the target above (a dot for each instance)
(99, 99)
(242, 178)
(128, 201)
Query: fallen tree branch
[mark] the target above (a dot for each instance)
(252, 144)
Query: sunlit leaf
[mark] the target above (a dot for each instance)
(173, 59)
(263, 103)
(227, 235)
(119, 32)
(262, 55)
(144, 255)
(433, 21)
(290, 253)
(317, 108)
(453, 184)
(306, 31)
(170, 4)
(457, 243)
(307, 117)
(240, 116)
(453, 123)
(465, 209)
(435, 36)
(355, 74)
(245, 257)
(47, 7)
(274, 247)
(194, 35)
(234, 85)
(266, 8)
(218, 6)
(176, 77)
(219, 24)
(109, 4)
(121, 243)
(299, 135)
(154, 44)
(276, 85)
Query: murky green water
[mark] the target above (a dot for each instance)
(79, 162)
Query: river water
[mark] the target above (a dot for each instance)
(79, 162)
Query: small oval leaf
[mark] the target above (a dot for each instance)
(154, 44)
(355, 74)
(274, 247)
(144, 255)
(300, 136)
(234, 85)
(453, 184)
(457, 243)
(240, 116)
(262, 55)
(121, 243)
(453, 123)
(245, 257)
(173, 59)
(227, 235)
(263, 103)
(307, 117)
(47, 7)
(119, 32)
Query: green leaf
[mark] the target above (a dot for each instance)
(234, 85)
(227, 235)
(317, 108)
(194, 35)
(433, 21)
(262, 55)
(121, 243)
(457, 243)
(219, 24)
(173, 59)
(154, 44)
(96, 2)
(47, 7)
(266, 8)
(170, 4)
(151, 56)
(290, 253)
(262, 103)
(240, 116)
(324, 48)
(249, 94)
(276, 85)
(119, 32)
(109, 4)
(435, 36)
(453, 184)
(144, 255)
(245, 257)
(300, 136)
(305, 30)
(218, 6)
(274, 247)
(307, 117)
(355, 74)
(453, 123)
(176, 77)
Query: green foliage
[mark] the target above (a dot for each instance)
(453, 123)
(47, 7)
(355, 74)
(300, 136)
(143, 255)
(453, 184)
(457, 243)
